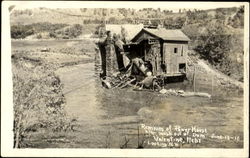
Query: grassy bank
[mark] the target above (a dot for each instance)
(38, 99)
(39, 103)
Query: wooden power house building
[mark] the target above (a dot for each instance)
(165, 51)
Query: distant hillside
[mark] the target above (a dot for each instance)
(112, 16)
(40, 15)
(216, 34)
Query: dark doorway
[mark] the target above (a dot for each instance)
(182, 68)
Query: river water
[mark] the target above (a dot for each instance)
(108, 118)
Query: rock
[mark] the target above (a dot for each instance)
(163, 91)
(180, 91)
(106, 84)
(45, 49)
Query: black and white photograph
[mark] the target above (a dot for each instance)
(125, 76)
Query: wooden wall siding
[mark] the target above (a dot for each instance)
(102, 52)
(111, 60)
(172, 59)
(153, 55)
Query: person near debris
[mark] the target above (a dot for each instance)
(108, 39)
(102, 43)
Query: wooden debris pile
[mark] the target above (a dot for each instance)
(137, 74)
(118, 81)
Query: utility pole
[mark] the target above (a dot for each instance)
(194, 78)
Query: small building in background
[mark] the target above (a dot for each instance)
(164, 51)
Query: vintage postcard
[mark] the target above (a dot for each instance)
(126, 79)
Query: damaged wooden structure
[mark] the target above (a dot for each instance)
(164, 51)
(152, 53)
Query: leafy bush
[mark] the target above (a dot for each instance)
(52, 35)
(21, 31)
(74, 31)
(39, 36)
(100, 31)
(238, 20)
(47, 27)
(38, 99)
(177, 23)
(213, 44)
(221, 49)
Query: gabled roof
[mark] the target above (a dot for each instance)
(164, 34)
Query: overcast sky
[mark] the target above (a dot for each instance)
(175, 6)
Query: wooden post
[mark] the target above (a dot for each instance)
(212, 83)
(18, 131)
(138, 135)
(194, 77)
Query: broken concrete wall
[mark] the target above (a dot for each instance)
(111, 60)
(101, 50)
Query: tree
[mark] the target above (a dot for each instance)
(213, 45)
(124, 35)
(238, 20)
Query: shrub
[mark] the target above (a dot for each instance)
(213, 45)
(38, 99)
(21, 31)
(74, 31)
(39, 36)
(52, 35)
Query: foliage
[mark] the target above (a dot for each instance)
(74, 31)
(22, 31)
(237, 20)
(197, 17)
(38, 99)
(52, 35)
(100, 31)
(213, 44)
(177, 23)
(213, 36)
(221, 49)
(47, 27)
(124, 35)
(39, 36)
(54, 30)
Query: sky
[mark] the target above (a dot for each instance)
(175, 6)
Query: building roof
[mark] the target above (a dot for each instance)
(164, 34)
(131, 29)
